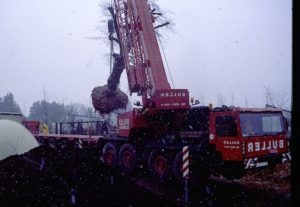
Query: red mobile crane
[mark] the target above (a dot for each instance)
(155, 134)
(226, 140)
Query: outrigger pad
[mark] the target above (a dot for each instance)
(105, 100)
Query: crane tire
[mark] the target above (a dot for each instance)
(160, 165)
(109, 154)
(127, 158)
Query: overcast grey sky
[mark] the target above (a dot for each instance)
(230, 47)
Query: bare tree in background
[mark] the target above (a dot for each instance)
(246, 101)
(268, 95)
(45, 107)
(201, 99)
(279, 99)
(232, 99)
(220, 99)
(282, 100)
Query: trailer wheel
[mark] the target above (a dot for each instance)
(41, 140)
(100, 144)
(127, 158)
(63, 144)
(109, 154)
(51, 143)
(160, 165)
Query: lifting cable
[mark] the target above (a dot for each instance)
(166, 61)
(111, 61)
(111, 49)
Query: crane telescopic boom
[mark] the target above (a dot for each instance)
(143, 62)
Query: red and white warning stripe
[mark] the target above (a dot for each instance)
(289, 156)
(251, 162)
(185, 161)
(286, 157)
(243, 147)
(78, 144)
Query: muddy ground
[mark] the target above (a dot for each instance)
(48, 177)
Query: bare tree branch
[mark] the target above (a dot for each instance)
(268, 95)
(220, 99)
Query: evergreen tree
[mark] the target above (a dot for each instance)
(8, 104)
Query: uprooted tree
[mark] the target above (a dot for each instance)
(109, 97)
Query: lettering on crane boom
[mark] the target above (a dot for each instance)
(173, 104)
(172, 94)
(172, 98)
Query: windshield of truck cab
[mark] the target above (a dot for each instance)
(226, 126)
(258, 124)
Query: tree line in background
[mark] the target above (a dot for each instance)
(48, 112)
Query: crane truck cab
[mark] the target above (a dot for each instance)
(246, 138)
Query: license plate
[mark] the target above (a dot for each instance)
(261, 164)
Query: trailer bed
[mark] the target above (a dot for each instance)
(90, 139)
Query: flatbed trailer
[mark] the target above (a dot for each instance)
(64, 140)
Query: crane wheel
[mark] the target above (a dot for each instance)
(127, 158)
(109, 154)
(160, 165)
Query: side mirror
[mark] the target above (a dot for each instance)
(138, 103)
(286, 124)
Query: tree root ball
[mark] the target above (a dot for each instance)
(106, 100)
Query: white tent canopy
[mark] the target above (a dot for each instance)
(15, 139)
